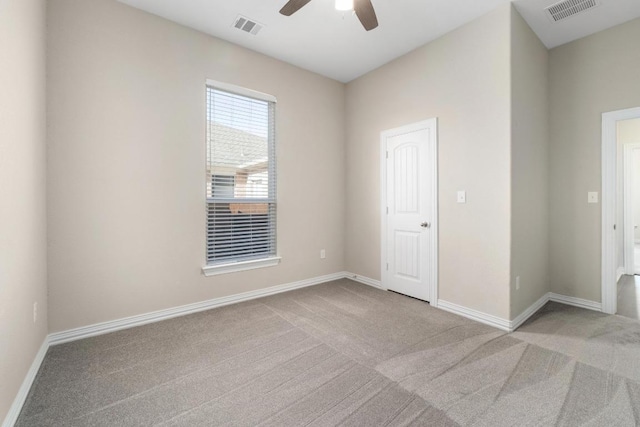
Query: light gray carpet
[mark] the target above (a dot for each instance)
(345, 354)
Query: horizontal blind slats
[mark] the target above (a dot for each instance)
(241, 179)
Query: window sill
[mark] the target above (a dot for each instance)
(215, 270)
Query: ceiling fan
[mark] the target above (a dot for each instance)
(363, 9)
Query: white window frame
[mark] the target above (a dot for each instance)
(241, 265)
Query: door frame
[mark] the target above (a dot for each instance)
(628, 190)
(431, 125)
(609, 191)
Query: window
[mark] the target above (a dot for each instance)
(223, 186)
(241, 179)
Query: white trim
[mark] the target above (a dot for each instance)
(434, 213)
(431, 125)
(470, 313)
(576, 302)
(609, 191)
(23, 392)
(619, 273)
(512, 325)
(239, 90)
(365, 280)
(157, 316)
(215, 270)
(525, 315)
(478, 316)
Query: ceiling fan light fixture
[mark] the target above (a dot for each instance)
(364, 11)
(344, 5)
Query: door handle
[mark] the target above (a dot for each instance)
(425, 225)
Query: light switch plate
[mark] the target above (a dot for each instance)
(462, 197)
(592, 197)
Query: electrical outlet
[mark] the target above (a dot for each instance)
(35, 312)
(462, 196)
(323, 254)
(517, 283)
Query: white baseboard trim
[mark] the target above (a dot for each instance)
(157, 316)
(619, 273)
(576, 302)
(512, 325)
(525, 315)
(364, 280)
(23, 392)
(478, 316)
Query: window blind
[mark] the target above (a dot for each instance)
(241, 177)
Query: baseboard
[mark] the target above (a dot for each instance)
(576, 302)
(23, 392)
(478, 316)
(497, 322)
(525, 315)
(157, 316)
(364, 280)
(619, 272)
(514, 324)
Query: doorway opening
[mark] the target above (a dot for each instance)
(620, 160)
(628, 142)
(629, 239)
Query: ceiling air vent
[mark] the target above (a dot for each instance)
(568, 8)
(247, 25)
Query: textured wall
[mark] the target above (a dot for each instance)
(529, 166)
(127, 163)
(463, 80)
(23, 237)
(588, 77)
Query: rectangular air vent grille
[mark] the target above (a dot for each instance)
(568, 8)
(247, 25)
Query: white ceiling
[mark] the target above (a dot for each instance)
(609, 13)
(334, 44)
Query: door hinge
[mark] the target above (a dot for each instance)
(387, 154)
(387, 266)
(387, 210)
(614, 226)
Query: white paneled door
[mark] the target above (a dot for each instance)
(409, 238)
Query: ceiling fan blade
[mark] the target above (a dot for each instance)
(366, 14)
(293, 6)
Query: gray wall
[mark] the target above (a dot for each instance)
(588, 77)
(126, 105)
(463, 79)
(529, 166)
(23, 241)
